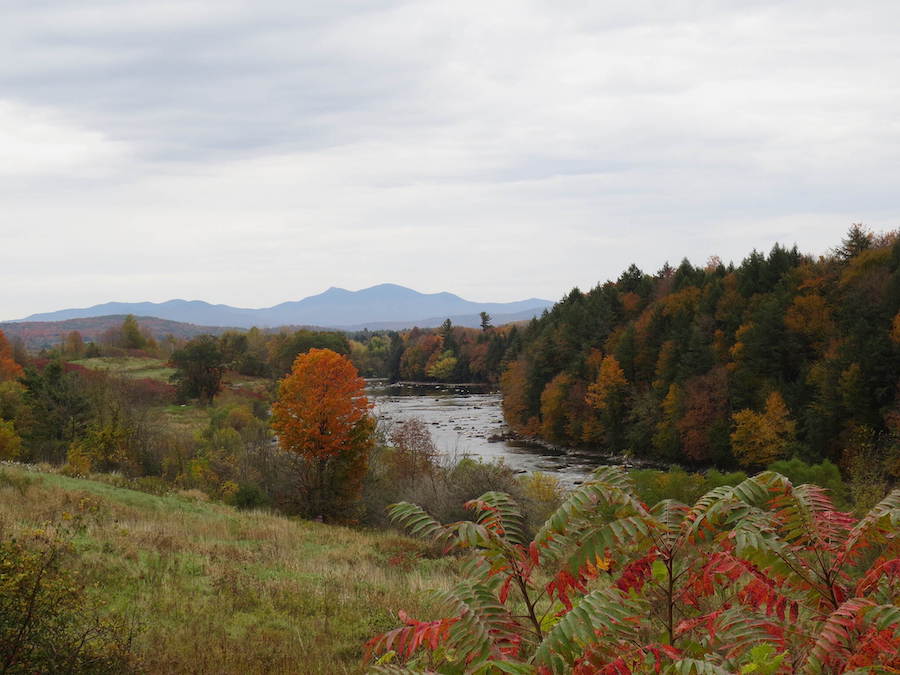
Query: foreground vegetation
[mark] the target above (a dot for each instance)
(184, 585)
(764, 576)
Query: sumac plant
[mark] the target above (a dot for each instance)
(763, 577)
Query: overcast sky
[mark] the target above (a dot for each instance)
(255, 152)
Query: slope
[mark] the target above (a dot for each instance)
(215, 590)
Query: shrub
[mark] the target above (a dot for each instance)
(10, 442)
(47, 623)
(443, 488)
(759, 577)
(825, 474)
(653, 486)
(249, 496)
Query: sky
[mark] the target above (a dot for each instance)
(253, 152)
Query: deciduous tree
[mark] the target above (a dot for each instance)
(761, 438)
(199, 365)
(322, 416)
(9, 369)
(607, 396)
(132, 338)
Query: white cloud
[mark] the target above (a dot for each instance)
(255, 152)
(39, 143)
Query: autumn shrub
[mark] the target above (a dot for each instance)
(10, 441)
(868, 466)
(147, 391)
(763, 576)
(414, 454)
(449, 484)
(103, 448)
(47, 622)
(541, 494)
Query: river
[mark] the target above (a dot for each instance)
(462, 419)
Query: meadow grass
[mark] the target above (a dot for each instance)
(137, 367)
(188, 418)
(215, 590)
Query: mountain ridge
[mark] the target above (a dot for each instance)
(379, 305)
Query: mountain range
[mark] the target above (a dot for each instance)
(385, 306)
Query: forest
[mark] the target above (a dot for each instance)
(783, 355)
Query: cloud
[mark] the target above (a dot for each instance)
(39, 142)
(256, 152)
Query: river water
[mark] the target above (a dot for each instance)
(462, 419)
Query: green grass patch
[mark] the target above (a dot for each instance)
(216, 590)
(137, 367)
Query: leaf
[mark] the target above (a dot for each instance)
(605, 610)
(417, 521)
(501, 514)
(697, 667)
(833, 637)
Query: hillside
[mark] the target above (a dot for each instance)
(382, 305)
(40, 334)
(215, 590)
(784, 354)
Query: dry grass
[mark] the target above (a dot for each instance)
(221, 591)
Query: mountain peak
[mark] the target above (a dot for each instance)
(336, 308)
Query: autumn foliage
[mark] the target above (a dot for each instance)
(9, 369)
(322, 415)
(764, 576)
(682, 364)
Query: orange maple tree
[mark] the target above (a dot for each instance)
(9, 369)
(322, 415)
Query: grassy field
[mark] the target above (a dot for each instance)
(138, 367)
(215, 590)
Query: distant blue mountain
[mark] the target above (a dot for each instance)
(382, 306)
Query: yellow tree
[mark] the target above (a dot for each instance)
(322, 415)
(514, 384)
(554, 409)
(810, 317)
(607, 395)
(667, 440)
(761, 438)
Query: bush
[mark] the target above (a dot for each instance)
(542, 494)
(249, 496)
(10, 442)
(443, 490)
(825, 475)
(731, 584)
(47, 624)
(18, 481)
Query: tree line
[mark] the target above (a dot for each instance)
(783, 355)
